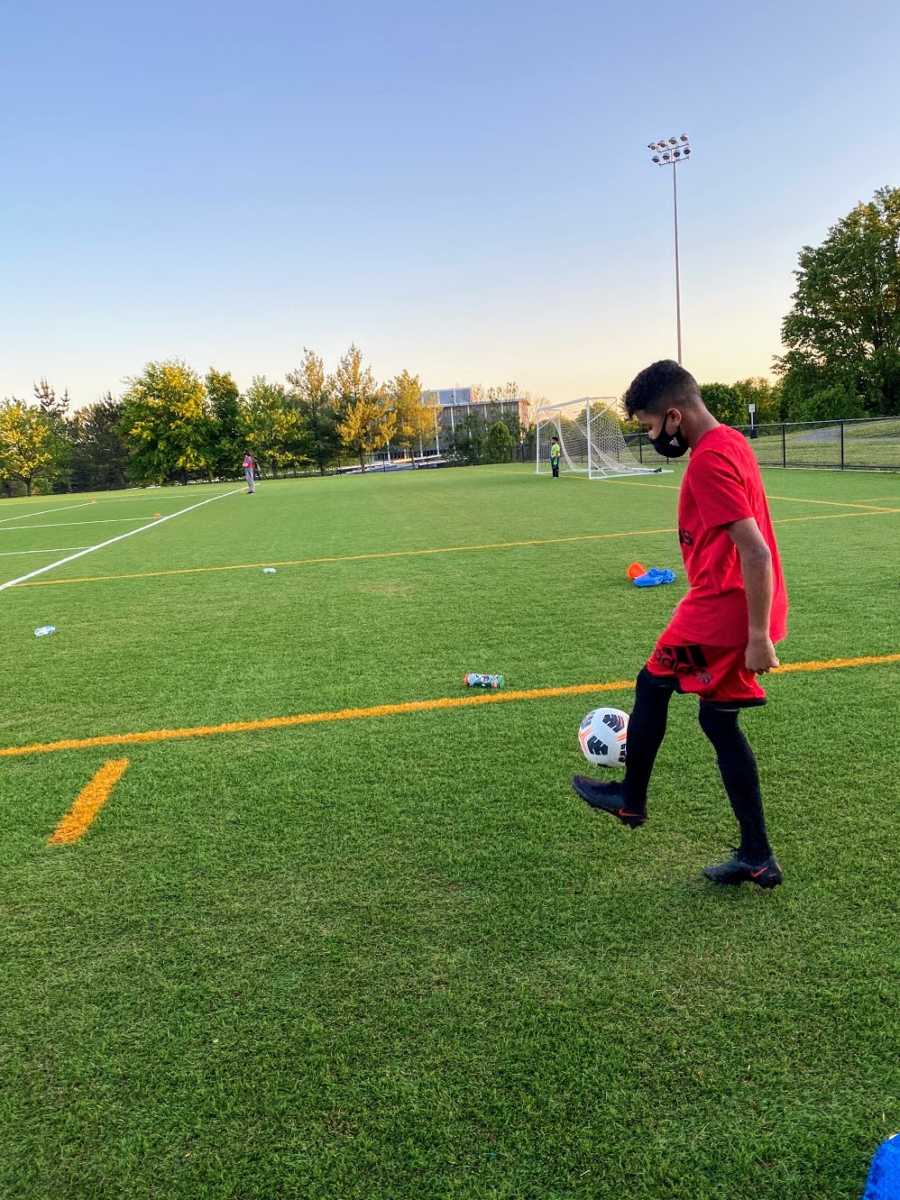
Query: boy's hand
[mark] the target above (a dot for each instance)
(760, 655)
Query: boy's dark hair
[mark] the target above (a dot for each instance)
(660, 386)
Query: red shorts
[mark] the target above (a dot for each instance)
(715, 673)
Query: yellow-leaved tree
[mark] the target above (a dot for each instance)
(366, 422)
(368, 425)
(31, 450)
(416, 421)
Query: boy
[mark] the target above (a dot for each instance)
(250, 472)
(722, 634)
(555, 451)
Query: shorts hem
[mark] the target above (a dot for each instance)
(719, 701)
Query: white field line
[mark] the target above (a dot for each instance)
(68, 524)
(118, 538)
(25, 515)
(55, 550)
(151, 495)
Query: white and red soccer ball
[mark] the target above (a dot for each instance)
(603, 735)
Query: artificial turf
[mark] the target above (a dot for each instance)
(395, 956)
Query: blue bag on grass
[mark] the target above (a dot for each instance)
(654, 577)
(884, 1176)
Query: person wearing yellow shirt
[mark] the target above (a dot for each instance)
(555, 451)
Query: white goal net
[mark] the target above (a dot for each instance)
(590, 437)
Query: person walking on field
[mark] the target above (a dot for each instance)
(722, 635)
(250, 472)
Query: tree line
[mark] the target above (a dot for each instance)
(842, 334)
(841, 360)
(172, 425)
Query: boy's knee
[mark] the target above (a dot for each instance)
(717, 719)
(653, 690)
(649, 683)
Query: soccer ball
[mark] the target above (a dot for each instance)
(603, 735)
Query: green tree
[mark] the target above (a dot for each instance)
(724, 402)
(766, 396)
(312, 395)
(99, 452)
(500, 443)
(830, 402)
(367, 425)
(469, 442)
(167, 423)
(844, 327)
(54, 408)
(416, 420)
(224, 396)
(31, 449)
(270, 426)
(50, 404)
(527, 439)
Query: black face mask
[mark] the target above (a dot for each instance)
(669, 445)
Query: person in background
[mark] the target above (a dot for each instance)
(555, 451)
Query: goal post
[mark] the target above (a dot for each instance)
(590, 439)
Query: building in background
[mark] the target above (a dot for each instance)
(455, 404)
(456, 411)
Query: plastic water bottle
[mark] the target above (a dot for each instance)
(473, 679)
(45, 630)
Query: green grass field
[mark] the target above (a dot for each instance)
(394, 956)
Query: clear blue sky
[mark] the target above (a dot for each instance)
(461, 188)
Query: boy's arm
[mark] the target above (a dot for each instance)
(756, 567)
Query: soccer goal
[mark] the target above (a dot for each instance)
(590, 439)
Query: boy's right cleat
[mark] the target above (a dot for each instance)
(608, 797)
(766, 874)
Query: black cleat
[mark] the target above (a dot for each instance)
(766, 874)
(609, 798)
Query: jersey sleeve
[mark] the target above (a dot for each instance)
(720, 490)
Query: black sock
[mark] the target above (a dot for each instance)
(740, 776)
(646, 730)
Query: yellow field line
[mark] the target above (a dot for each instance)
(88, 803)
(674, 487)
(384, 554)
(666, 487)
(338, 558)
(386, 710)
(832, 503)
(835, 664)
(867, 512)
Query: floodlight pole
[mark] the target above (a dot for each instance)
(677, 268)
(669, 152)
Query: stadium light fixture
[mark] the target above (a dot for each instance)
(669, 152)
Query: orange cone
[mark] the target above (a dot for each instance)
(635, 570)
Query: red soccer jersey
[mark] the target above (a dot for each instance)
(722, 484)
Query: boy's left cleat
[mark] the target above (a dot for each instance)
(766, 874)
(608, 797)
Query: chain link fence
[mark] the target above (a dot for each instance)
(867, 444)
